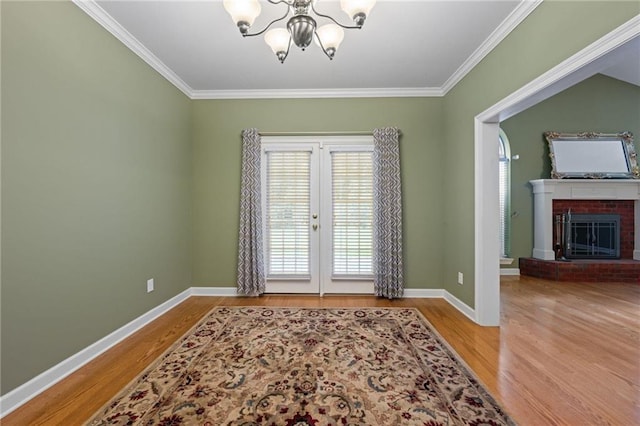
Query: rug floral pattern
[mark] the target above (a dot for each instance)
(296, 367)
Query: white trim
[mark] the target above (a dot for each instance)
(514, 19)
(487, 213)
(423, 293)
(23, 393)
(392, 92)
(467, 310)
(91, 8)
(571, 71)
(510, 271)
(214, 291)
(332, 141)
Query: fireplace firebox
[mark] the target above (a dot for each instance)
(592, 236)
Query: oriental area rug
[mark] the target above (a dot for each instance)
(300, 366)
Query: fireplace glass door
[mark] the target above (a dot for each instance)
(593, 236)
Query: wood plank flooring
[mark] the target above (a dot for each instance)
(565, 354)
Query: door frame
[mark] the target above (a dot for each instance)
(359, 142)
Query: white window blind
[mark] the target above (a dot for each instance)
(352, 198)
(288, 197)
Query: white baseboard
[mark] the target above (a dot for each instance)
(23, 393)
(509, 271)
(421, 293)
(467, 310)
(214, 291)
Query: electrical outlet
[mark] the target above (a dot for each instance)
(150, 285)
(460, 278)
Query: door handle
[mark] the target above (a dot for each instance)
(315, 216)
(314, 226)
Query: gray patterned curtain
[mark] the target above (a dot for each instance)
(251, 275)
(387, 214)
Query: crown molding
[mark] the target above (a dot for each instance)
(400, 92)
(91, 8)
(500, 33)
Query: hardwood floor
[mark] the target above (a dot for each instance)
(566, 353)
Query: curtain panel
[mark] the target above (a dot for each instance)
(387, 214)
(251, 271)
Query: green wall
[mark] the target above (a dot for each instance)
(553, 32)
(600, 104)
(111, 176)
(216, 168)
(96, 176)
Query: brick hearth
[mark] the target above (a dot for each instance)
(625, 270)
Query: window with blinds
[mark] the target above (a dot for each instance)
(287, 215)
(504, 194)
(352, 202)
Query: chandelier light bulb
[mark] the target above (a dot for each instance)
(358, 10)
(278, 40)
(329, 38)
(243, 12)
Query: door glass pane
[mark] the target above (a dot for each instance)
(287, 216)
(352, 197)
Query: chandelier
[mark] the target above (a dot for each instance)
(301, 28)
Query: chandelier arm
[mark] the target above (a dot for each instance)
(287, 52)
(270, 23)
(322, 45)
(347, 27)
(288, 3)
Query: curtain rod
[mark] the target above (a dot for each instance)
(346, 133)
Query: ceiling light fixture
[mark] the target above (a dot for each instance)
(301, 26)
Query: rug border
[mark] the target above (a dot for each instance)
(464, 364)
(457, 357)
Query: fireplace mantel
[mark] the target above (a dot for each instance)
(547, 190)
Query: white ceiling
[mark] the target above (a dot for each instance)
(627, 66)
(406, 48)
(418, 47)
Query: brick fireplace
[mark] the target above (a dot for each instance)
(624, 208)
(584, 196)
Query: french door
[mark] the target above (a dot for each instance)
(317, 197)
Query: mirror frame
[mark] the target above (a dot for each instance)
(626, 146)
